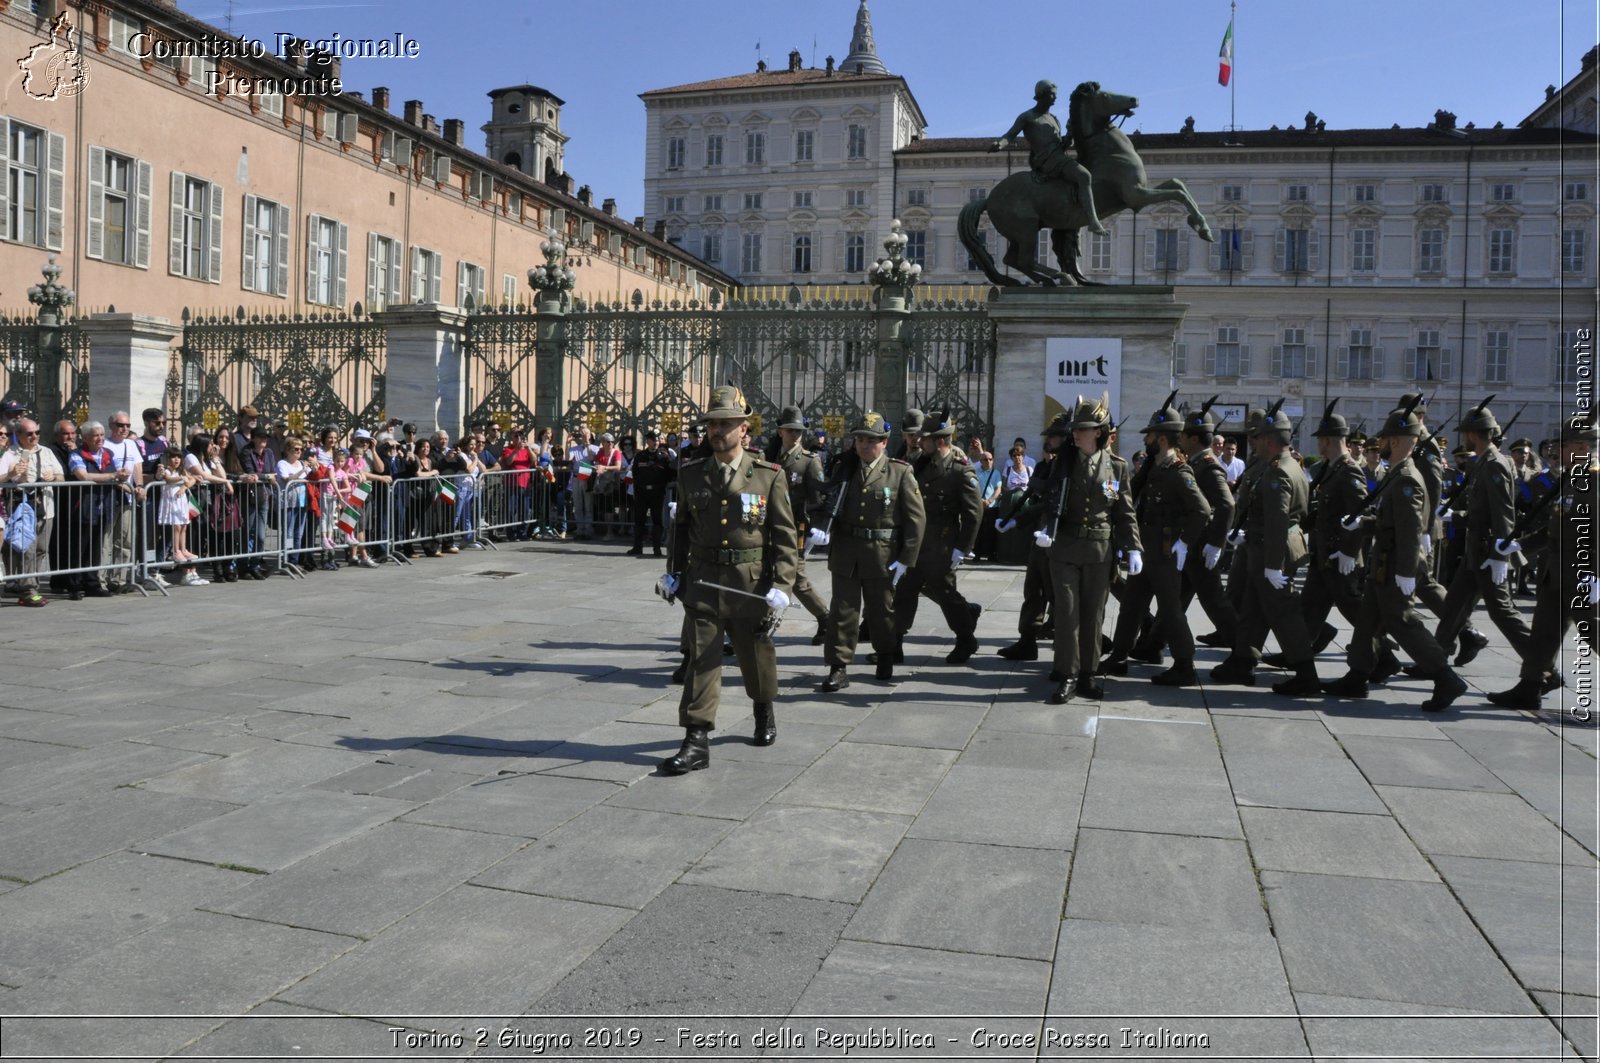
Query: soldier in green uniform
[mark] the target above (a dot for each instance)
(1033, 619)
(807, 501)
(872, 542)
(953, 507)
(1274, 545)
(1338, 490)
(732, 527)
(1567, 588)
(1092, 516)
(1173, 516)
(1395, 556)
(909, 446)
(1254, 466)
(1204, 581)
(1491, 510)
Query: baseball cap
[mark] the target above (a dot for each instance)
(11, 407)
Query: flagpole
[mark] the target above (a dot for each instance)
(1233, 80)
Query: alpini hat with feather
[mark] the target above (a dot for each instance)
(1092, 413)
(1202, 420)
(1403, 421)
(1167, 418)
(1481, 419)
(1332, 424)
(939, 425)
(727, 402)
(1274, 420)
(872, 425)
(791, 417)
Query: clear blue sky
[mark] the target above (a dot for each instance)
(1356, 63)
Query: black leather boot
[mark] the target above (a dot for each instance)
(897, 657)
(694, 754)
(766, 724)
(1215, 639)
(1181, 674)
(1116, 664)
(1063, 691)
(1324, 639)
(1525, 696)
(1090, 686)
(1350, 685)
(1447, 687)
(822, 633)
(1239, 671)
(678, 673)
(1388, 664)
(1303, 683)
(966, 646)
(884, 671)
(1021, 650)
(838, 679)
(1472, 643)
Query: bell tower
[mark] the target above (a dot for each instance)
(863, 57)
(524, 131)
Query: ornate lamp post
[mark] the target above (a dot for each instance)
(551, 282)
(894, 275)
(52, 298)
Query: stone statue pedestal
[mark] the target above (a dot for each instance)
(1032, 373)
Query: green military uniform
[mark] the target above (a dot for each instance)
(807, 497)
(1566, 574)
(879, 522)
(1033, 618)
(953, 508)
(1238, 579)
(1092, 517)
(1338, 490)
(737, 531)
(1274, 542)
(1395, 558)
(1205, 582)
(1491, 511)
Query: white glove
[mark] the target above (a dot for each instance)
(1213, 554)
(896, 570)
(1588, 580)
(667, 585)
(1004, 526)
(956, 557)
(1351, 524)
(1446, 515)
(1041, 538)
(1180, 550)
(818, 537)
(1427, 544)
(1347, 564)
(1407, 585)
(672, 510)
(1497, 570)
(1236, 537)
(1276, 577)
(1135, 562)
(1505, 548)
(777, 599)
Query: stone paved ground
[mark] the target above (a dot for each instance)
(417, 793)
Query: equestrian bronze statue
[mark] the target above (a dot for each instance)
(1052, 195)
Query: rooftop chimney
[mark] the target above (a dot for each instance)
(830, 66)
(609, 206)
(638, 222)
(414, 112)
(660, 230)
(430, 124)
(380, 98)
(586, 196)
(455, 131)
(295, 51)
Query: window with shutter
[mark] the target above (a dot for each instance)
(1208, 361)
(1180, 359)
(95, 244)
(340, 292)
(247, 246)
(214, 233)
(280, 251)
(141, 247)
(56, 192)
(10, 178)
(193, 251)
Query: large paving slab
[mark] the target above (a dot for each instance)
(1126, 877)
(1332, 843)
(36, 843)
(278, 831)
(828, 853)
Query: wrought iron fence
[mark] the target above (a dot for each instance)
(29, 352)
(307, 370)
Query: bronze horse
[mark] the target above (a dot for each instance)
(1021, 205)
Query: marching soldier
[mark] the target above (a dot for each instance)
(807, 499)
(953, 507)
(1489, 496)
(1173, 516)
(1254, 466)
(1034, 620)
(909, 446)
(1339, 489)
(1395, 556)
(1273, 546)
(1205, 582)
(653, 470)
(1091, 518)
(872, 542)
(1567, 588)
(732, 527)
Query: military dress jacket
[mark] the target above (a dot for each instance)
(741, 535)
(880, 520)
(1430, 463)
(1569, 522)
(1491, 504)
(1278, 504)
(954, 508)
(1170, 506)
(1341, 492)
(1212, 479)
(1096, 507)
(1401, 521)
(808, 491)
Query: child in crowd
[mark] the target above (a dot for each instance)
(175, 513)
(347, 473)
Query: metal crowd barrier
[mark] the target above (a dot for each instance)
(81, 543)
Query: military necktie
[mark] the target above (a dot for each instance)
(725, 472)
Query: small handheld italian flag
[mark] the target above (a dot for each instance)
(194, 510)
(447, 490)
(585, 471)
(351, 515)
(1225, 56)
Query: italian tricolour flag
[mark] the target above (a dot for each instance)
(447, 490)
(1225, 56)
(351, 515)
(585, 471)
